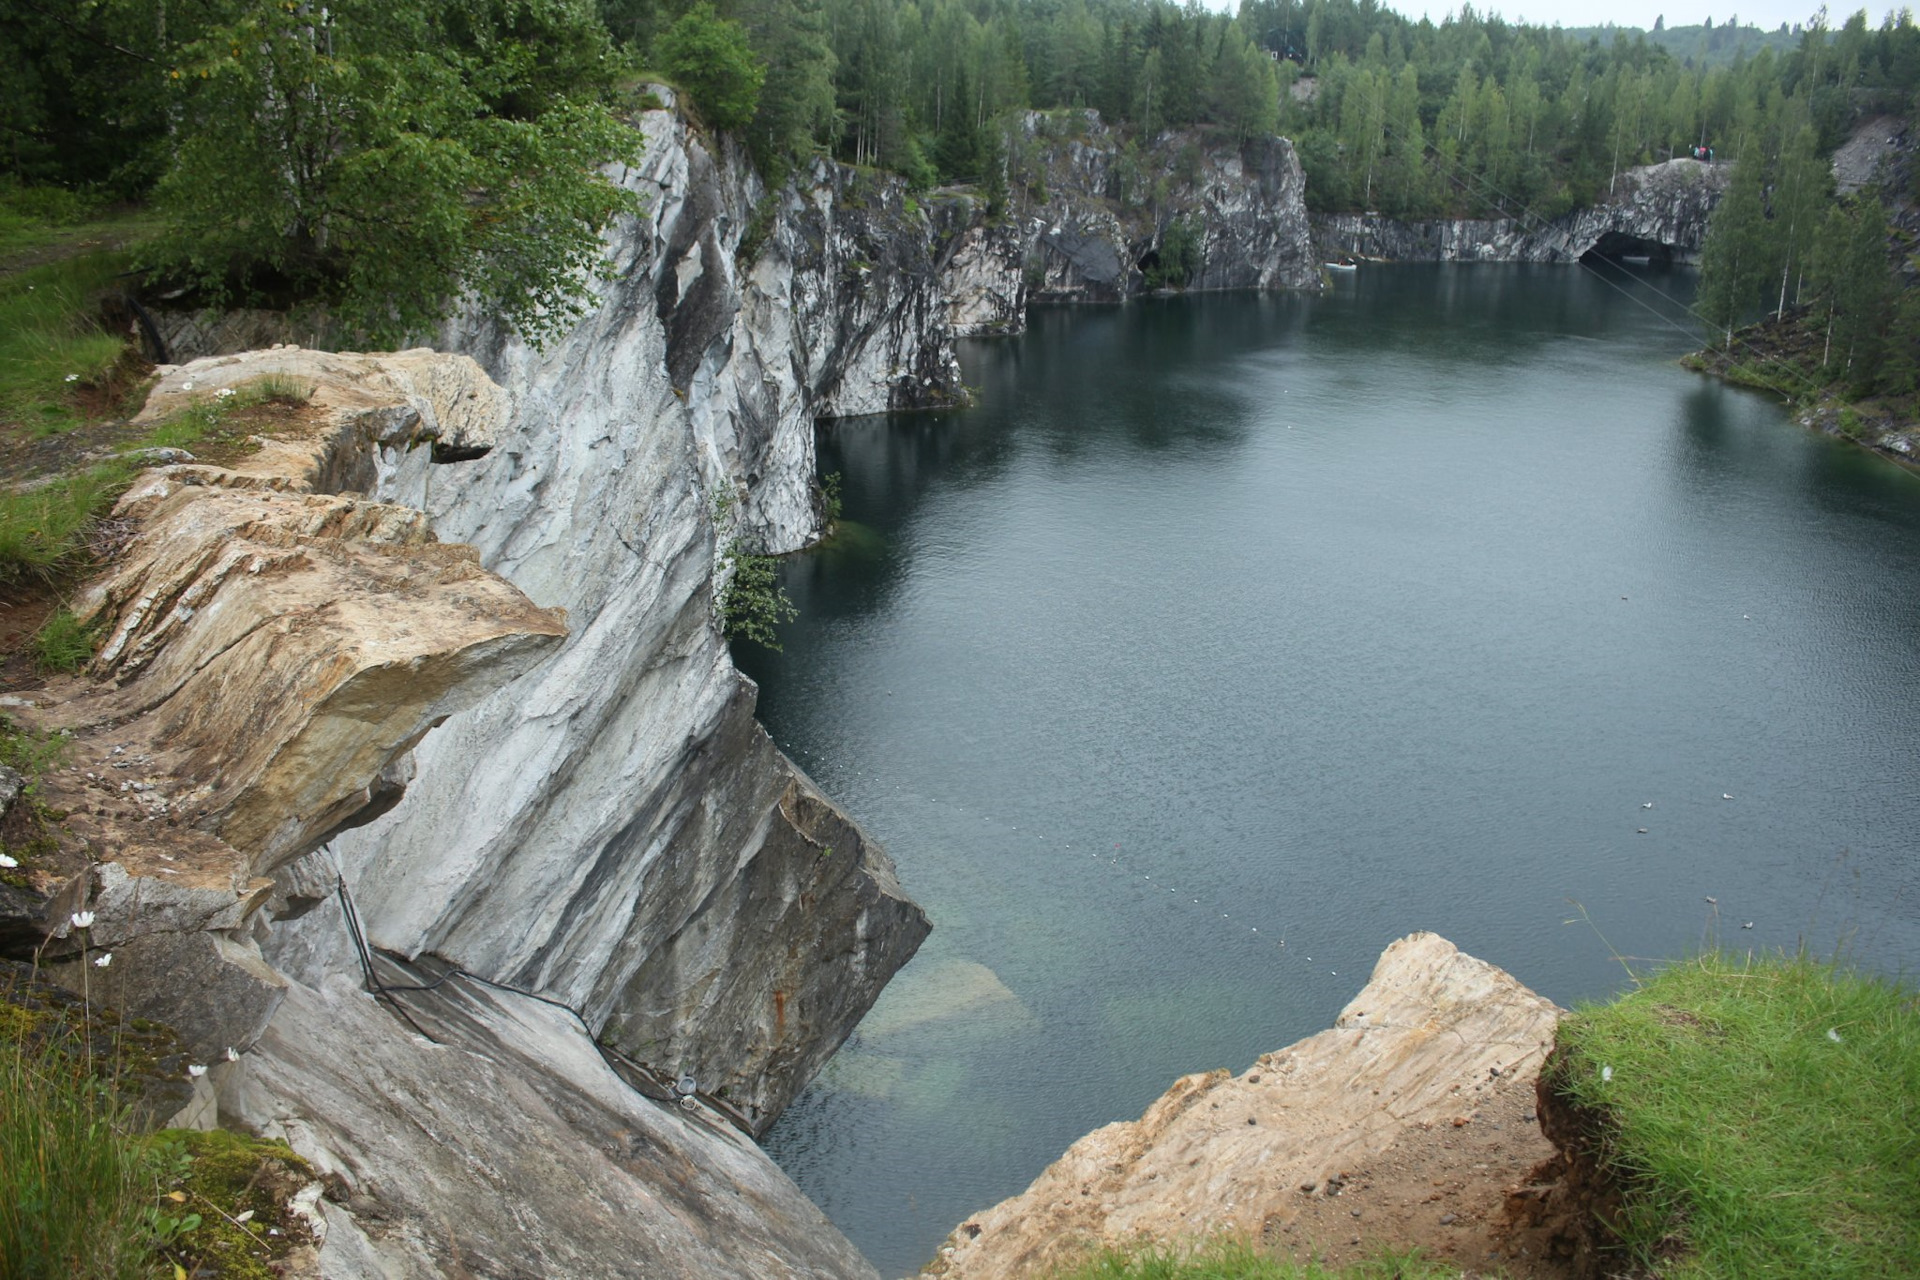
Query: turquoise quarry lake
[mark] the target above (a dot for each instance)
(1227, 622)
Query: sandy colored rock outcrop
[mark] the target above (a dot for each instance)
(274, 646)
(1418, 1046)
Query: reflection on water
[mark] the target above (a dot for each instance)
(1229, 621)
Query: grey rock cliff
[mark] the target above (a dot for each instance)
(1660, 208)
(613, 829)
(1089, 213)
(603, 825)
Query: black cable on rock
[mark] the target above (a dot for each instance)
(388, 990)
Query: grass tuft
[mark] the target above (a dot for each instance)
(1237, 1259)
(1763, 1116)
(277, 388)
(64, 644)
(73, 1190)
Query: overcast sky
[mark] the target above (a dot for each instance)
(1767, 14)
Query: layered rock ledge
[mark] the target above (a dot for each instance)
(274, 646)
(1433, 1036)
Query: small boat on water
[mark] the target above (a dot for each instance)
(1341, 264)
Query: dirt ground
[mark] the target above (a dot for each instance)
(1443, 1189)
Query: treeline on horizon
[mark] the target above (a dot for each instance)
(377, 152)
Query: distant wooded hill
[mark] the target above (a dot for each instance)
(1705, 45)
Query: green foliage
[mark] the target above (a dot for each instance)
(63, 644)
(754, 238)
(1762, 1114)
(86, 98)
(1178, 256)
(830, 498)
(242, 1182)
(752, 603)
(83, 1195)
(1855, 287)
(1230, 1258)
(1734, 262)
(711, 58)
(30, 754)
(796, 107)
(391, 155)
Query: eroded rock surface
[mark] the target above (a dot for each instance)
(1421, 1044)
(506, 1146)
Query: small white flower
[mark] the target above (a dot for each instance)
(186, 386)
(1606, 1075)
(82, 919)
(1833, 1034)
(196, 1071)
(104, 959)
(223, 393)
(8, 862)
(232, 1055)
(73, 377)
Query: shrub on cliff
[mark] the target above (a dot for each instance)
(709, 57)
(392, 155)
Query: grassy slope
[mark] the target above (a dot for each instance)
(1765, 1114)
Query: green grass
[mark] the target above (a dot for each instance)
(74, 1189)
(43, 532)
(51, 341)
(1763, 1114)
(63, 644)
(29, 752)
(49, 221)
(1231, 1259)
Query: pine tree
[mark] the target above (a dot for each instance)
(1734, 261)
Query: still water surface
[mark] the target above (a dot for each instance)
(1232, 621)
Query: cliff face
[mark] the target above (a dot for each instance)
(1089, 215)
(1659, 209)
(614, 830)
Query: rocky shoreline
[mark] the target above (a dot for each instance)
(1326, 1149)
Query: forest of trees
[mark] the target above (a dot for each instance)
(380, 152)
